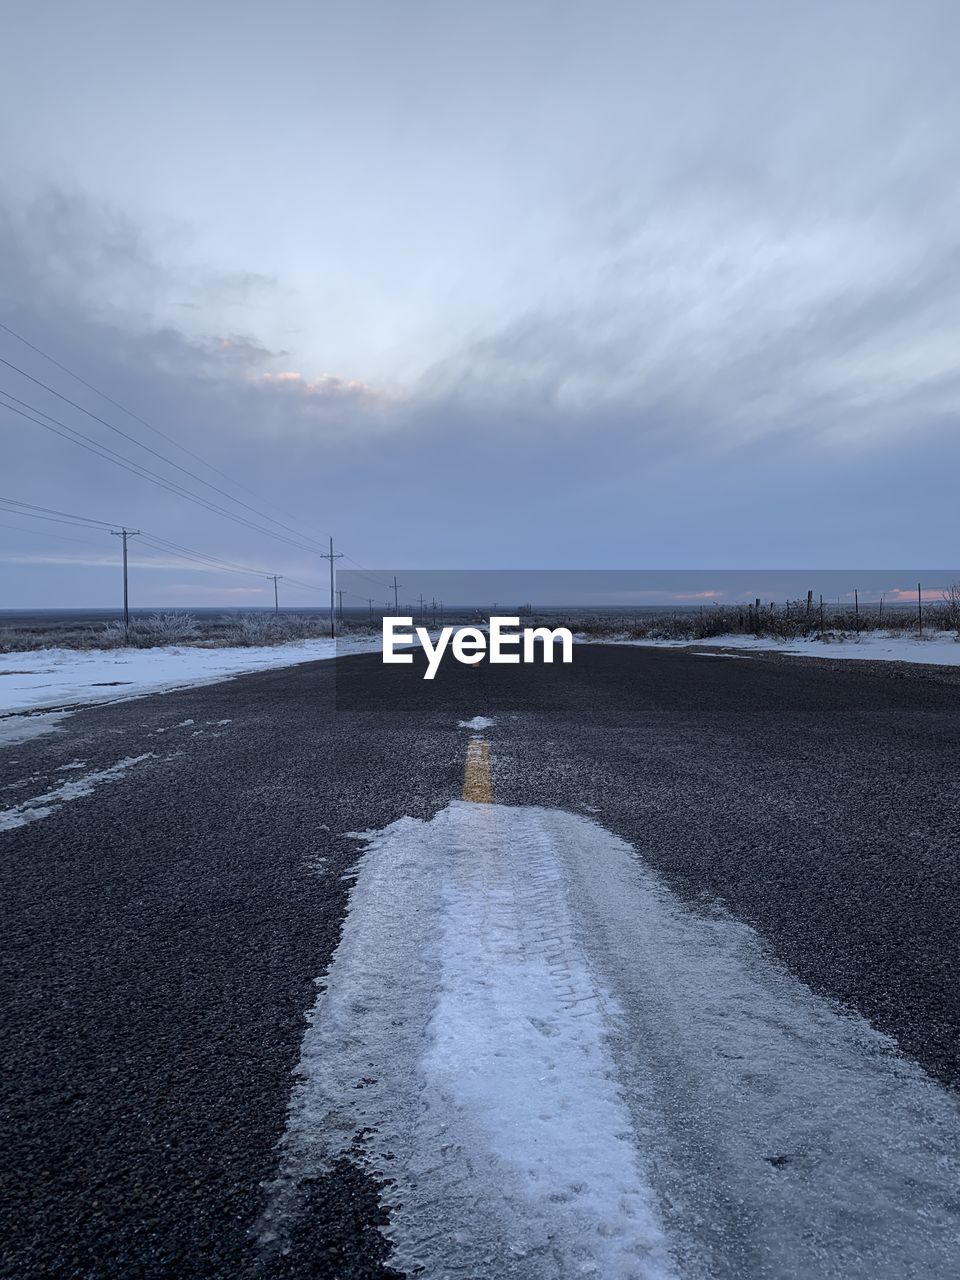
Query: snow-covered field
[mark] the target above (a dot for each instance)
(941, 649)
(555, 1069)
(47, 678)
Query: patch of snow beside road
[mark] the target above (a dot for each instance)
(941, 649)
(61, 678)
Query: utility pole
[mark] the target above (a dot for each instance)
(125, 534)
(396, 606)
(340, 605)
(370, 603)
(276, 598)
(421, 608)
(329, 555)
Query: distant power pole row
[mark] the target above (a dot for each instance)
(336, 597)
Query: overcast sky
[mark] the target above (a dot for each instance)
(491, 285)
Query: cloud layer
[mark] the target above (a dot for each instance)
(657, 285)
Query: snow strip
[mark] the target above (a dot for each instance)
(21, 728)
(940, 649)
(75, 677)
(553, 1069)
(42, 806)
(478, 722)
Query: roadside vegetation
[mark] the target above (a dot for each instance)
(787, 620)
(176, 627)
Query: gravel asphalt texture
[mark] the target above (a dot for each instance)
(162, 936)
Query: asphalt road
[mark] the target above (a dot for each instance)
(162, 935)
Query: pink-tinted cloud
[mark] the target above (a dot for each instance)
(326, 384)
(908, 595)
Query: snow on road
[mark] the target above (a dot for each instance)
(43, 678)
(38, 807)
(16, 727)
(940, 649)
(557, 1070)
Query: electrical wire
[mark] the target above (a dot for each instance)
(144, 472)
(135, 468)
(133, 439)
(55, 516)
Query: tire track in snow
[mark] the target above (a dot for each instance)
(554, 1069)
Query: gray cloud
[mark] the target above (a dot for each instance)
(680, 289)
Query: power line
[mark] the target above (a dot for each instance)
(362, 573)
(304, 542)
(78, 437)
(48, 533)
(213, 562)
(140, 445)
(118, 404)
(54, 516)
(31, 515)
(309, 586)
(112, 427)
(136, 468)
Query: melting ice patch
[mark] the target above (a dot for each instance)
(554, 1070)
(478, 722)
(15, 729)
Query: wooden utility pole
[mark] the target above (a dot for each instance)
(276, 597)
(125, 534)
(329, 555)
(396, 604)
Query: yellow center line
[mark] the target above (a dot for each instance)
(477, 783)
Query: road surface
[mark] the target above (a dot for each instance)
(650, 970)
